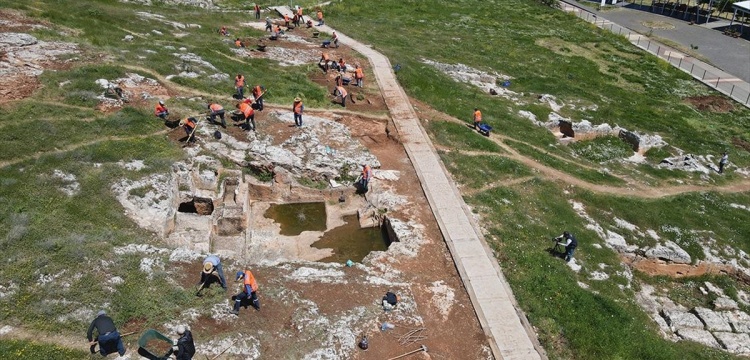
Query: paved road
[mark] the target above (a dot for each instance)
(724, 52)
(510, 336)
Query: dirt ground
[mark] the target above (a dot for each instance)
(712, 103)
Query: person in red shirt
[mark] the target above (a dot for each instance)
(340, 91)
(161, 110)
(364, 179)
(257, 11)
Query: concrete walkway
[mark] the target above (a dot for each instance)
(509, 334)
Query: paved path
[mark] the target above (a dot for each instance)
(510, 336)
(733, 53)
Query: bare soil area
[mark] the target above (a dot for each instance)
(711, 103)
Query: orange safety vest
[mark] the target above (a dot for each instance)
(299, 12)
(342, 91)
(342, 64)
(189, 123)
(159, 109)
(325, 56)
(237, 43)
(366, 172)
(257, 91)
(257, 8)
(320, 15)
(216, 107)
(250, 280)
(286, 18)
(239, 81)
(358, 73)
(477, 116)
(246, 109)
(298, 107)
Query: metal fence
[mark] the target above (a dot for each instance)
(720, 81)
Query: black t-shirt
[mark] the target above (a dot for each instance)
(103, 325)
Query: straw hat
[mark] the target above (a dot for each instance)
(207, 267)
(297, 99)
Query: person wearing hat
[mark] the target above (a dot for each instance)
(108, 338)
(570, 244)
(297, 108)
(189, 125)
(212, 267)
(185, 347)
(364, 179)
(249, 291)
(161, 110)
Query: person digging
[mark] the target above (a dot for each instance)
(569, 241)
(249, 291)
(108, 337)
(212, 270)
(189, 124)
(161, 110)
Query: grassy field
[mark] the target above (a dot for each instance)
(51, 240)
(549, 52)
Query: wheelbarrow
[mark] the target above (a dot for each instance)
(484, 129)
(154, 346)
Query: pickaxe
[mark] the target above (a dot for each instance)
(421, 348)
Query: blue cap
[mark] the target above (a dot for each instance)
(239, 275)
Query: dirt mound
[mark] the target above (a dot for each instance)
(134, 89)
(712, 103)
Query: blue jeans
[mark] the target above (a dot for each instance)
(241, 92)
(298, 119)
(110, 342)
(242, 296)
(569, 253)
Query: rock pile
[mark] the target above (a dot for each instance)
(725, 327)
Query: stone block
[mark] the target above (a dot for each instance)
(682, 320)
(725, 303)
(714, 321)
(700, 336)
(669, 251)
(739, 321)
(630, 138)
(734, 343)
(231, 221)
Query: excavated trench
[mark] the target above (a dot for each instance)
(198, 205)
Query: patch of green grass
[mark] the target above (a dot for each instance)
(602, 149)
(460, 137)
(29, 350)
(477, 171)
(315, 184)
(593, 176)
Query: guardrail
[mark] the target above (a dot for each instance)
(711, 76)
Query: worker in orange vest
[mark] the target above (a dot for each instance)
(297, 108)
(359, 75)
(161, 110)
(224, 31)
(214, 111)
(257, 11)
(239, 84)
(258, 92)
(248, 114)
(299, 15)
(320, 18)
(286, 20)
(249, 291)
(340, 91)
(238, 43)
(189, 125)
(342, 65)
(364, 179)
(477, 118)
(324, 59)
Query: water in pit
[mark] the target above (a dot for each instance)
(299, 217)
(350, 242)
